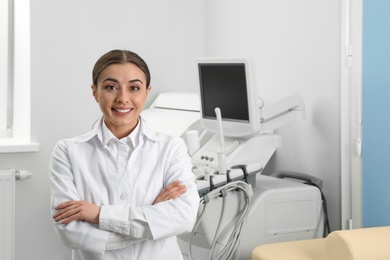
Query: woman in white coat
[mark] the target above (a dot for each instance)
(122, 191)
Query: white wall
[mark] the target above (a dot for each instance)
(295, 46)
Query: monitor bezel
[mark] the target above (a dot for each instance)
(233, 128)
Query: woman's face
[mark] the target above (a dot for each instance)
(121, 92)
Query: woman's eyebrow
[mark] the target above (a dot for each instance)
(136, 80)
(116, 81)
(110, 79)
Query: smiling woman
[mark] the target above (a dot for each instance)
(121, 92)
(122, 190)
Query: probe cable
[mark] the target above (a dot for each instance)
(234, 240)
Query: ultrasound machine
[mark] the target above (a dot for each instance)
(229, 131)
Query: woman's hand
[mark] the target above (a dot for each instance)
(77, 210)
(172, 191)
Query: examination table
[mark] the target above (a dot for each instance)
(357, 244)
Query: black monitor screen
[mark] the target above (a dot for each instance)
(224, 86)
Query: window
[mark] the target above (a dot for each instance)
(15, 77)
(5, 59)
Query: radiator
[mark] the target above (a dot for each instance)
(7, 214)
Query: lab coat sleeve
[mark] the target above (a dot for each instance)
(128, 224)
(77, 234)
(173, 217)
(125, 220)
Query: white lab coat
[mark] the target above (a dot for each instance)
(130, 227)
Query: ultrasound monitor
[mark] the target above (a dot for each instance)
(227, 84)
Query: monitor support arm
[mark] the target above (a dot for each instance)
(281, 112)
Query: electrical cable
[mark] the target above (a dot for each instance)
(233, 242)
(219, 224)
(231, 246)
(324, 207)
(196, 227)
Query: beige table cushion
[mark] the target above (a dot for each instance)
(358, 244)
(312, 249)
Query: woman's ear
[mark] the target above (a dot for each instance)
(147, 91)
(94, 90)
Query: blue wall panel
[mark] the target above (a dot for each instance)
(376, 112)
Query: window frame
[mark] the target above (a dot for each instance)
(18, 73)
(6, 67)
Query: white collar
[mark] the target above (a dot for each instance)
(141, 130)
(131, 140)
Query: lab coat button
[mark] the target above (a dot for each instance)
(123, 196)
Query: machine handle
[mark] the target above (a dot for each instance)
(298, 176)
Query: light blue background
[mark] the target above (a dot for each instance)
(376, 112)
